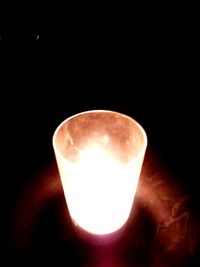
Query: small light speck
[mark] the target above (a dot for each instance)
(37, 38)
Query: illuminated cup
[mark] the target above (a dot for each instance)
(99, 156)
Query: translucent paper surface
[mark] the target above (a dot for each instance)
(99, 156)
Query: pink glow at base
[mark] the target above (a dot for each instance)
(99, 156)
(163, 229)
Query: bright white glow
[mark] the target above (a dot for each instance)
(99, 190)
(99, 155)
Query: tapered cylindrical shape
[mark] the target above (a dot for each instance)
(99, 155)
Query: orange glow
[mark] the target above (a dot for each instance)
(99, 156)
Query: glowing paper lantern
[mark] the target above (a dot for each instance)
(99, 155)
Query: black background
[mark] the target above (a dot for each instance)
(141, 63)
